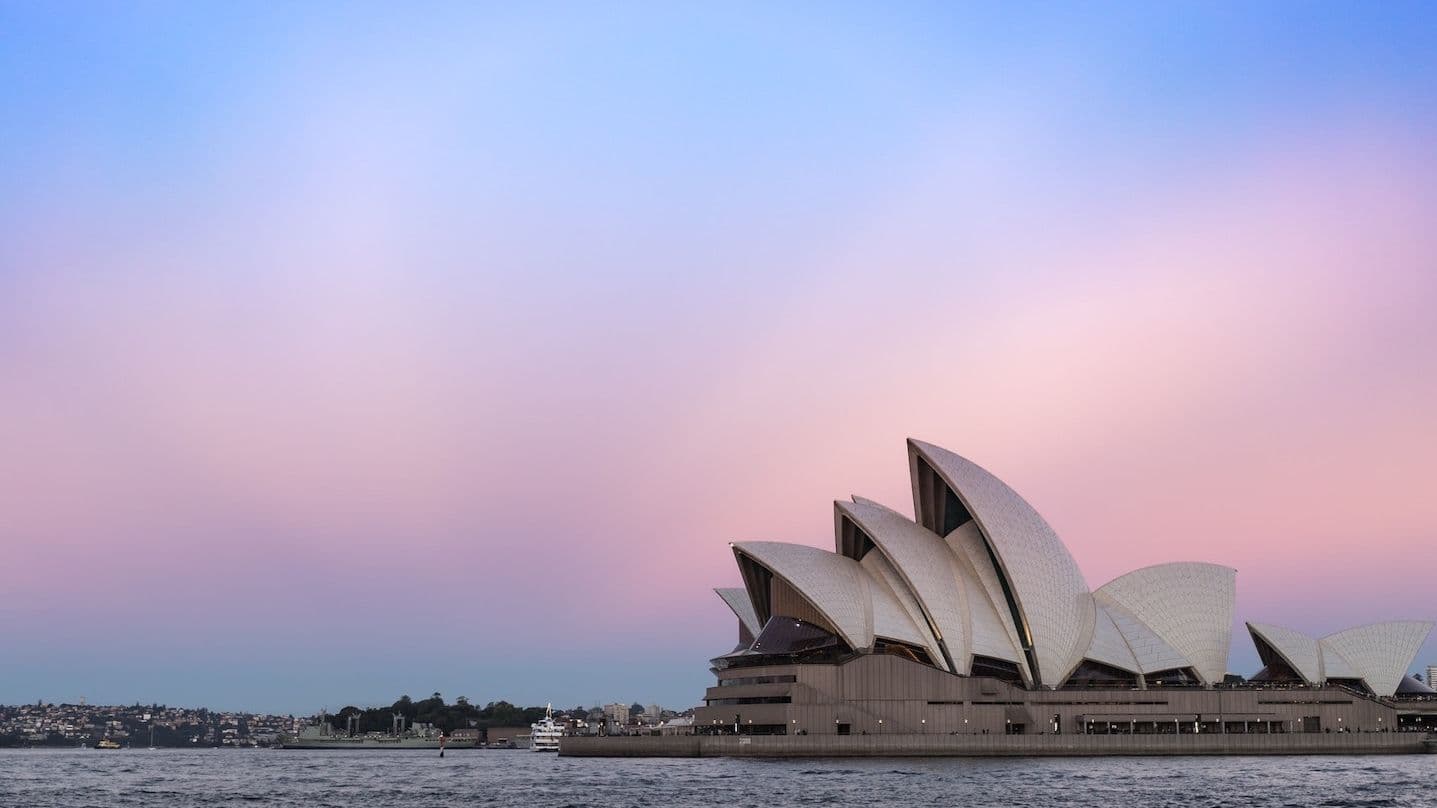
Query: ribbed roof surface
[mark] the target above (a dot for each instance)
(1378, 654)
(836, 586)
(1150, 651)
(742, 607)
(1382, 652)
(992, 631)
(1335, 665)
(1049, 588)
(1188, 604)
(927, 566)
(896, 613)
(1298, 649)
(1108, 645)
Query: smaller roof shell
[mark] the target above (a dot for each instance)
(738, 602)
(1298, 650)
(1381, 652)
(858, 606)
(1188, 604)
(835, 586)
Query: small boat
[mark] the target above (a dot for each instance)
(106, 743)
(545, 734)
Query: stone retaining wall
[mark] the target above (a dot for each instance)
(993, 745)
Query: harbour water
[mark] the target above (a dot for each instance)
(222, 778)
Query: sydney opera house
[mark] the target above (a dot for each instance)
(975, 619)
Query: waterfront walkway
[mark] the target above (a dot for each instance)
(997, 745)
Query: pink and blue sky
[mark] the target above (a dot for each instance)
(355, 350)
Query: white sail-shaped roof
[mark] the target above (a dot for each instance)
(1298, 650)
(834, 585)
(992, 632)
(1056, 610)
(1108, 645)
(1378, 654)
(928, 568)
(855, 603)
(1188, 604)
(1335, 665)
(1151, 652)
(1381, 652)
(742, 607)
(896, 613)
(979, 573)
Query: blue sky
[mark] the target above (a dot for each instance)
(469, 302)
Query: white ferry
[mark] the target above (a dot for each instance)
(546, 734)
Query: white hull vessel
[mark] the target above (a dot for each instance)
(545, 734)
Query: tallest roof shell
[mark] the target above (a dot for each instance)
(1054, 609)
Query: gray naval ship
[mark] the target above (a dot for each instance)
(321, 735)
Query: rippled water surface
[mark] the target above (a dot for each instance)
(79, 778)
